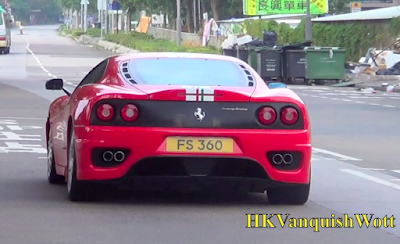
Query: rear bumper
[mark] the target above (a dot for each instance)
(192, 183)
(144, 143)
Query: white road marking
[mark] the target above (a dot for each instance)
(22, 118)
(11, 136)
(347, 100)
(14, 127)
(338, 155)
(396, 171)
(42, 158)
(41, 65)
(15, 147)
(19, 128)
(371, 178)
(10, 139)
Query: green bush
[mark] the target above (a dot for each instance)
(95, 32)
(147, 43)
(356, 36)
(77, 33)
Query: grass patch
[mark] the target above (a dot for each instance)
(77, 32)
(94, 32)
(147, 43)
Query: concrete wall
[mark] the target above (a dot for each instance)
(186, 37)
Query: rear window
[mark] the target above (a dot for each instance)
(187, 71)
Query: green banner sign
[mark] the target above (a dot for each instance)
(267, 7)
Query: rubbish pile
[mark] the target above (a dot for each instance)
(386, 88)
(270, 39)
(378, 62)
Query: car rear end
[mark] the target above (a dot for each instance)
(3, 31)
(233, 135)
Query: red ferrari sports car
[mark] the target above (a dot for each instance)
(179, 121)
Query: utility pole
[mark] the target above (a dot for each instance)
(82, 16)
(101, 19)
(106, 18)
(178, 22)
(85, 3)
(308, 22)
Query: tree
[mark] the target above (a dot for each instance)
(338, 6)
(217, 9)
(69, 4)
(46, 9)
(20, 8)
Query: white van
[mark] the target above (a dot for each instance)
(5, 33)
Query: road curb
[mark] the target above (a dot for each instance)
(114, 47)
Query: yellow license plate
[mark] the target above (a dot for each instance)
(200, 145)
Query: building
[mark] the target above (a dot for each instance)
(370, 15)
(376, 4)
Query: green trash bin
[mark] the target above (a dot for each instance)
(253, 57)
(325, 63)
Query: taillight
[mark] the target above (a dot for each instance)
(289, 116)
(105, 112)
(2, 38)
(129, 113)
(267, 116)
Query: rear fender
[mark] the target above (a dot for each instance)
(54, 107)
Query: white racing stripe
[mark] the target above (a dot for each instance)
(199, 93)
(371, 178)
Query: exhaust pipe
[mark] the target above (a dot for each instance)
(119, 156)
(287, 159)
(277, 159)
(108, 156)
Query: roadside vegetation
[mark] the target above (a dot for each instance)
(144, 42)
(147, 43)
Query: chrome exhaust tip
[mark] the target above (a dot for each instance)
(277, 159)
(119, 156)
(287, 159)
(108, 156)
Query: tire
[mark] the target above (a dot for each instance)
(78, 191)
(7, 50)
(289, 195)
(52, 176)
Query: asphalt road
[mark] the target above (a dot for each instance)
(34, 212)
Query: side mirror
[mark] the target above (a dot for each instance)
(273, 85)
(54, 84)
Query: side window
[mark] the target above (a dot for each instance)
(95, 74)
